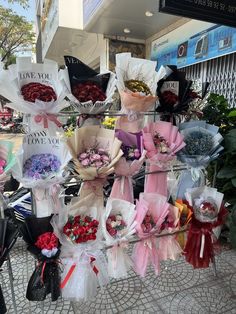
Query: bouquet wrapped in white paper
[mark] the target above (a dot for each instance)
(84, 264)
(39, 165)
(118, 226)
(35, 89)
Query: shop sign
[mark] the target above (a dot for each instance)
(215, 11)
(194, 42)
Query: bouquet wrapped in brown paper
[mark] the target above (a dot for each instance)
(95, 151)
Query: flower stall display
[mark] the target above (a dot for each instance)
(84, 264)
(202, 146)
(104, 152)
(128, 165)
(91, 92)
(208, 213)
(43, 244)
(40, 165)
(35, 89)
(162, 141)
(118, 227)
(152, 209)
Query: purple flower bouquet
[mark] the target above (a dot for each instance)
(41, 166)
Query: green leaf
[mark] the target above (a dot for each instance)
(232, 113)
(230, 140)
(226, 173)
(233, 181)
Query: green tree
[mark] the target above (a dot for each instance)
(23, 3)
(15, 32)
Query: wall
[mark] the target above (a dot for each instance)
(71, 13)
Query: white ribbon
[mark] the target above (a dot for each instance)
(202, 245)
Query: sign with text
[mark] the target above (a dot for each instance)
(215, 11)
(193, 42)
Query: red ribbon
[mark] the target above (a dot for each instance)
(45, 117)
(71, 270)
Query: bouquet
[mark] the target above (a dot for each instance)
(208, 213)
(95, 152)
(162, 141)
(35, 89)
(118, 227)
(152, 209)
(129, 164)
(174, 94)
(40, 165)
(91, 92)
(84, 265)
(44, 246)
(169, 247)
(136, 82)
(202, 146)
(185, 217)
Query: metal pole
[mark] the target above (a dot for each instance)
(11, 283)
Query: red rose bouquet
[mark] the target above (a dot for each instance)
(35, 89)
(81, 229)
(91, 92)
(44, 246)
(84, 264)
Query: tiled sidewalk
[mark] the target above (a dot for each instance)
(179, 289)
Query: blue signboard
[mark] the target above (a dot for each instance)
(187, 45)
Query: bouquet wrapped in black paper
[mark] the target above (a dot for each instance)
(91, 92)
(44, 246)
(174, 94)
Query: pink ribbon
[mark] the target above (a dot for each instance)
(45, 117)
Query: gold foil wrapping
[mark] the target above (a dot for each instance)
(137, 86)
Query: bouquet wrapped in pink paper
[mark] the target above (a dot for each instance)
(152, 209)
(129, 164)
(118, 227)
(168, 246)
(95, 152)
(162, 141)
(137, 82)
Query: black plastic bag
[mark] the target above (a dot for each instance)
(3, 308)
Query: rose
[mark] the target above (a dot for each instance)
(47, 241)
(85, 162)
(98, 164)
(83, 156)
(105, 158)
(96, 157)
(33, 91)
(88, 91)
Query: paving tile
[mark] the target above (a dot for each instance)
(178, 289)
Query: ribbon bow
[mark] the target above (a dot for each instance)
(45, 117)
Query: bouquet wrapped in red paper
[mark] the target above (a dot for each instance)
(128, 165)
(162, 141)
(84, 264)
(91, 92)
(35, 89)
(208, 213)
